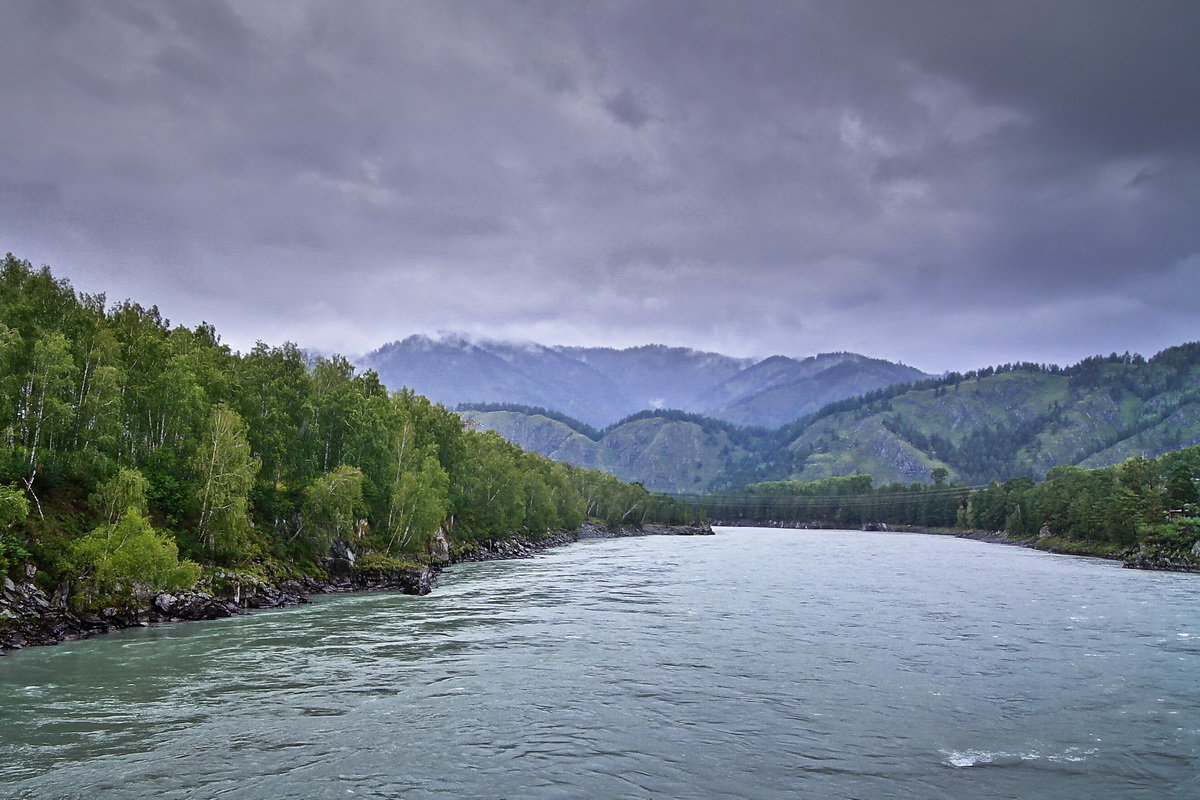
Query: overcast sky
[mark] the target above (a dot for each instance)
(950, 184)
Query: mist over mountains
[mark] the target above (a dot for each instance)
(680, 420)
(599, 385)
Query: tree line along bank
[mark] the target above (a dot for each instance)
(1138, 508)
(133, 451)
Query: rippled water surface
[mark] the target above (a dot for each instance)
(753, 664)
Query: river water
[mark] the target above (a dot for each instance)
(754, 664)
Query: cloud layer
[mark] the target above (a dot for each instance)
(949, 184)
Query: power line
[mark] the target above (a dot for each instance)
(795, 502)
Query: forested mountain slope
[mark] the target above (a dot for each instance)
(779, 390)
(998, 423)
(664, 451)
(992, 424)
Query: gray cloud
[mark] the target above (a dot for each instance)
(946, 183)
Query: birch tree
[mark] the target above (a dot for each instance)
(225, 472)
(130, 559)
(332, 503)
(418, 500)
(119, 494)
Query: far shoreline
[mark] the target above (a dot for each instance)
(1143, 559)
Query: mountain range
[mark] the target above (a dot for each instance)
(849, 414)
(599, 385)
(997, 423)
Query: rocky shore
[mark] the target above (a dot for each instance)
(591, 530)
(30, 616)
(527, 547)
(1147, 556)
(503, 549)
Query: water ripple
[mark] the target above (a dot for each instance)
(756, 664)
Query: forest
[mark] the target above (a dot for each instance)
(1141, 503)
(996, 423)
(137, 454)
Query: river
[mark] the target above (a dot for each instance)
(754, 664)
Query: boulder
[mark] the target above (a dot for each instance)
(439, 551)
(340, 564)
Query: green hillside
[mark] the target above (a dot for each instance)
(1016, 420)
(808, 387)
(664, 451)
(999, 423)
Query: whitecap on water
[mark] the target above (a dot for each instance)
(988, 758)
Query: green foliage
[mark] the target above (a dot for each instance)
(1125, 504)
(380, 564)
(579, 427)
(13, 509)
(1178, 535)
(225, 471)
(332, 503)
(12, 552)
(125, 490)
(418, 500)
(243, 457)
(850, 500)
(1142, 500)
(13, 506)
(127, 560)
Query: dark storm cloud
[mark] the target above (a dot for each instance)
(625, 108)
(947, 183)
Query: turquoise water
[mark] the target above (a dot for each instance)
(754, 664)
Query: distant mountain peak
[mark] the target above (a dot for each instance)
(600, 385)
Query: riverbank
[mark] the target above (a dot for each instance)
(1146, 557)
(30, 616)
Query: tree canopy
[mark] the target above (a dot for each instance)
(186, 447)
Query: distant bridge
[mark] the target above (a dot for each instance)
(787, 505)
